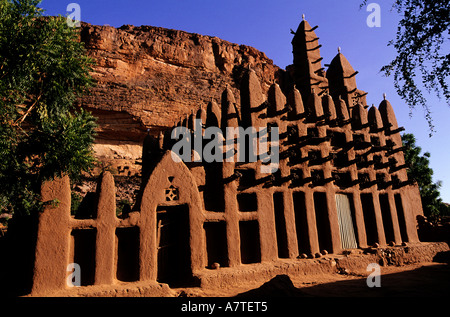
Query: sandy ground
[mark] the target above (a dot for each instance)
(424, 279)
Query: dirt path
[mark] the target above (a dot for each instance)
(425, 279)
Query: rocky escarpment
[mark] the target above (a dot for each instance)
(158, 75)
(147, 78)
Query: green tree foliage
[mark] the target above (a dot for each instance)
(422, 45)
(43, 69)
(420, 171)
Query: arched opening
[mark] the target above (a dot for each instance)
(171, 217)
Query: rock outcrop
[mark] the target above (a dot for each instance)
(148, 77)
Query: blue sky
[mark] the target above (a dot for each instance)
(265, 25)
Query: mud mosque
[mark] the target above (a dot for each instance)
(341, 185)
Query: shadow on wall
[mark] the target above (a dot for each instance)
(431, 232)
(442, 257)
(17, 256)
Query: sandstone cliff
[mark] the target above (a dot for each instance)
(156, 75)
(147, 78)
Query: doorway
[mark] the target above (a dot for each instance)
(370, 222)
(174, 252)
(250, 244)
(301, 222)
(84, 249)
(345, 219)
(280, 225)
(387, 218)
(322, 221)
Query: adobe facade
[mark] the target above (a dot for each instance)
(341, 184)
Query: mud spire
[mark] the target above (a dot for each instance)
(307, 69)
(342, 81)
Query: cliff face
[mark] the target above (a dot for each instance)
(159, 75)
(150, 77)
